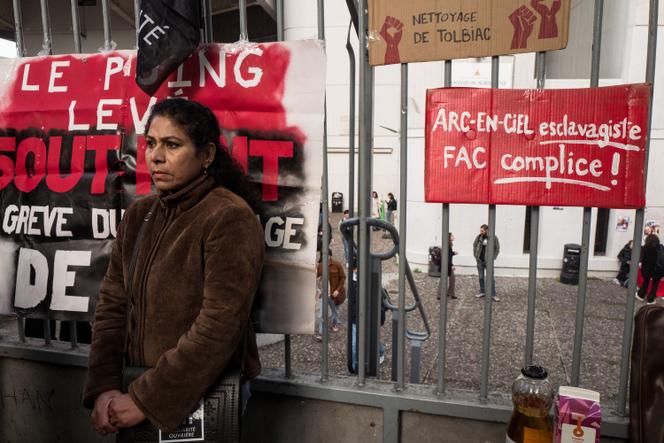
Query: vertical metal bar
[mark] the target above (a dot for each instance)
(47, 44)
(18, 26)
(587, 213)
(364, 196)
(287, 338)
(486, 336)
(351, 127)
(540, 64)
(287, 356)
(280, 20)
(403, 196)
(76, 26)
(532, 284)
(395, 348)
(73, 334)
(207, 21)
(20, 324)
(46, 323)
(326, 233)
(415, 359)
(137, 18)
(442, 322)
(638, 222)
(106, 16)
(243, 19)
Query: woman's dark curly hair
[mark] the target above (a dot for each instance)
(202, 127)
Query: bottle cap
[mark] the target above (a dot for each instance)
(536, 372)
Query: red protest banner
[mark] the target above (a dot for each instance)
(571, 147)
(72, 159)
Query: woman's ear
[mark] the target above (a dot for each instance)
(210, 153)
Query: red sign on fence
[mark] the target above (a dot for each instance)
(570, 147)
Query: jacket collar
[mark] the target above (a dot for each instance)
(188, 196)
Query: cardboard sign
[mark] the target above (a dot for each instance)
(425, 30)
(570, 147)
(72, 159)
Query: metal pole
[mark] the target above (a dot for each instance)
(403, 194)
(351, 128)
(106, 15)
(587, 213)
(47, 44)
(280, 20)
(76, 26)
(207, 23)
(444, 258)
(20, 323)
(18, 25)
(73, 334)
(287, 337)
(486, 336)
(46, 323)
(137, 18)
(324, 191)
(540, 63)
(638, 222)
(287, 356)
(364, 197)
(243, 19)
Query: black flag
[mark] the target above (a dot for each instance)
(169, 32)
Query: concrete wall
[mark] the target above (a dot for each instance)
(40, 403)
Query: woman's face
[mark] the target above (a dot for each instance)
(171, 155)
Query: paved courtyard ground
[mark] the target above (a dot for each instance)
(554, 333)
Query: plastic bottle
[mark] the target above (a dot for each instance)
(532, 395)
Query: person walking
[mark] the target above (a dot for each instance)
(337, 292)
(649, 269)
(451, 278)
(480, 250)
(625, 258)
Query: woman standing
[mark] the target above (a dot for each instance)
(195, 270)
(391, 207)
(651, 275)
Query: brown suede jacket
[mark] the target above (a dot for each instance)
(196, 274)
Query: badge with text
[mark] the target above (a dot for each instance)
(191, 429)
(568, 147)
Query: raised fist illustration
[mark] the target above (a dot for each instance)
(522, 20)
(548, 24)
(392, 31)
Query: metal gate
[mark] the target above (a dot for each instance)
(360, 390)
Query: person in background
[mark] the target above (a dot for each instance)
(480, 250)
(651, 275)
(343, 238)
(375, 207)
(391, 207)
(625, 258)
(337, 291)
(451, 278)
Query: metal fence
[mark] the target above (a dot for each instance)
(360, 390)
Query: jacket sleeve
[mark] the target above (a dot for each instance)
(496, 247)
(233, 258)
(342, 279)
(476, 247)
(108, 332)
